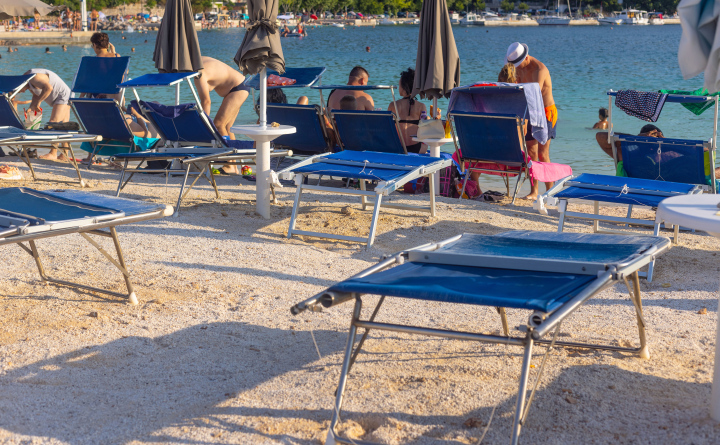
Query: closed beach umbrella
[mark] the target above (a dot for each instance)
(700, 42)
(23, 8)
(176, 46)
(437, 66)
(260, 47)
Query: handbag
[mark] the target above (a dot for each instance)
(430, 129)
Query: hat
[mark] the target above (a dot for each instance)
(516, 53)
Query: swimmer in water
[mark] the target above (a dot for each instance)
(603, 123)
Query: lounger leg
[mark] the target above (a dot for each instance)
(200, 174)
(467, 176)
(522, 390)
(344, 373)
(126, 275)
(74, 164)
(596, 223)
(431, 179)
(122, 176)
(182, 188)
(373, 223)
(299, 180)
(212, 181)
(562, 207)
(127, 181)
(92, 156)
(676, 232)
(38, 262)
(503, 319)
(365, 335)
(629, 214)
(636, 298)
(517, 187)
(363, 198)
(27, 161)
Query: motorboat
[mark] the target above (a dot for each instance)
(454, 18)
(656, 18)
(634, 17)
(610, 20)
(387, 22)
(470, 19)
(556, 20)
(338, 25)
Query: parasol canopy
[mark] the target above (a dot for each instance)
(261, 46)
(437, 66)
(176, 45)
(24, 8)
(700, 42)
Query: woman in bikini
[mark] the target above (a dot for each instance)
(408, 112)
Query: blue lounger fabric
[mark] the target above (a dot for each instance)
(8, 84)
(360, 172)
(155, 80)
(100, 75)
(8, 115)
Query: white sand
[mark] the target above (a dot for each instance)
(212, 355)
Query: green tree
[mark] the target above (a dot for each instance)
(522, 7)
(395, 6)
(344, 5)
(507, 6)
(478, 5)
(150, 4)
(373, 7)
(288, 5)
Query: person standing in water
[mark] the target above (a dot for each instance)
(603, 123)
(529, 69)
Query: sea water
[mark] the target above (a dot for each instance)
(584, 63)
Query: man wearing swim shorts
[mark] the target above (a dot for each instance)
(228, 84)
(49, 87)
(529, 69)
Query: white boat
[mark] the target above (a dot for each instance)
(454, 18)
(556, 20)
(338, 25)
(656, 18)
(470, 19)
(634, 17)
(610, 20)
(387, 22)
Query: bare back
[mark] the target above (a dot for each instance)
(536, 71)
(363, 100)
(217, 76)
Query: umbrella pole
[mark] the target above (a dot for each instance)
(262, 184)
(177, 94)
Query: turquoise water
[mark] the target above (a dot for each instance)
(584, 63)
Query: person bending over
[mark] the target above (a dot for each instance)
(358, 76)
(408, 112)
(49, 87)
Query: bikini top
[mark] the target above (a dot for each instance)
(410, 121)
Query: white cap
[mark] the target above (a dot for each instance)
(516, 53)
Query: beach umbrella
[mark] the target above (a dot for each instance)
(24, 8)
(313, 16)
(437, 66)
(700, 42)
(176, 45)
(101, 15)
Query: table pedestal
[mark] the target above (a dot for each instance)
(434, 147)
(262, 137)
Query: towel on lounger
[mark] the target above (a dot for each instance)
(645, 105)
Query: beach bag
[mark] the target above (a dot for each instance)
(32, 120)
(430, 129)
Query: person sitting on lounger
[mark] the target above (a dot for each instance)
(100, 42)
(49, 87)
(358, 76)
(348, 103)
(408, 112)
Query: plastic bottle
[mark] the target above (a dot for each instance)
(423, 116)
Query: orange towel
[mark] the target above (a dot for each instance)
(551, 114)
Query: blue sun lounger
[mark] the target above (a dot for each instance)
(546, 275)
(392, 171)
(313, 137)
(23, 139)
(28, 215)
(375, 131)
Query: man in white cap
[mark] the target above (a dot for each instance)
(530, 69)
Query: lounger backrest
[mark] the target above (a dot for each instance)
(310, 137)
(10, 84)
(100, 75)
(182, 125)
(102, 117)
(368, 131)
(8, 116)
(489, 137)
(674, 160)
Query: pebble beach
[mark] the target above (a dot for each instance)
(212, 353)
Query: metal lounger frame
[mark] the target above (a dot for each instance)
(85, 229)
(538, 326)
(366, 197)
(522, 174)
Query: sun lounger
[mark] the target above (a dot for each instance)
(392, 171)
(375, 131)
(547, 275)
(28, 215)
(655, 168)
(304, 78)
(489, 127)
(313, 137)
(189, 138)
(9, 118)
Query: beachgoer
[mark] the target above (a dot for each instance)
(100, 42)
(94, 16)
(49, 87)
(228, 84)
(408, 112)
(358, 76)
(603, 123)
(47, 51)
(286, 31)
(64, 47)
(508, 74)
(132, 50)
(529, 69)
(348, 103)
(9, 50)
(37, 20)
(367, 49)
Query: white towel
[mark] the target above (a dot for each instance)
(699, 49)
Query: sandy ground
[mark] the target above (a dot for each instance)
(212, 354)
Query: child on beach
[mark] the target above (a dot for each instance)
(603, 123)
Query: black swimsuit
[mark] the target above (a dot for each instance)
(241, 87)
(414, 148)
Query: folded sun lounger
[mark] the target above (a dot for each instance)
(392, 171)
(547, 275)
(28, 215)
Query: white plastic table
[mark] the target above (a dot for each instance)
(434, 146)
(698, 212)
(262, 136)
